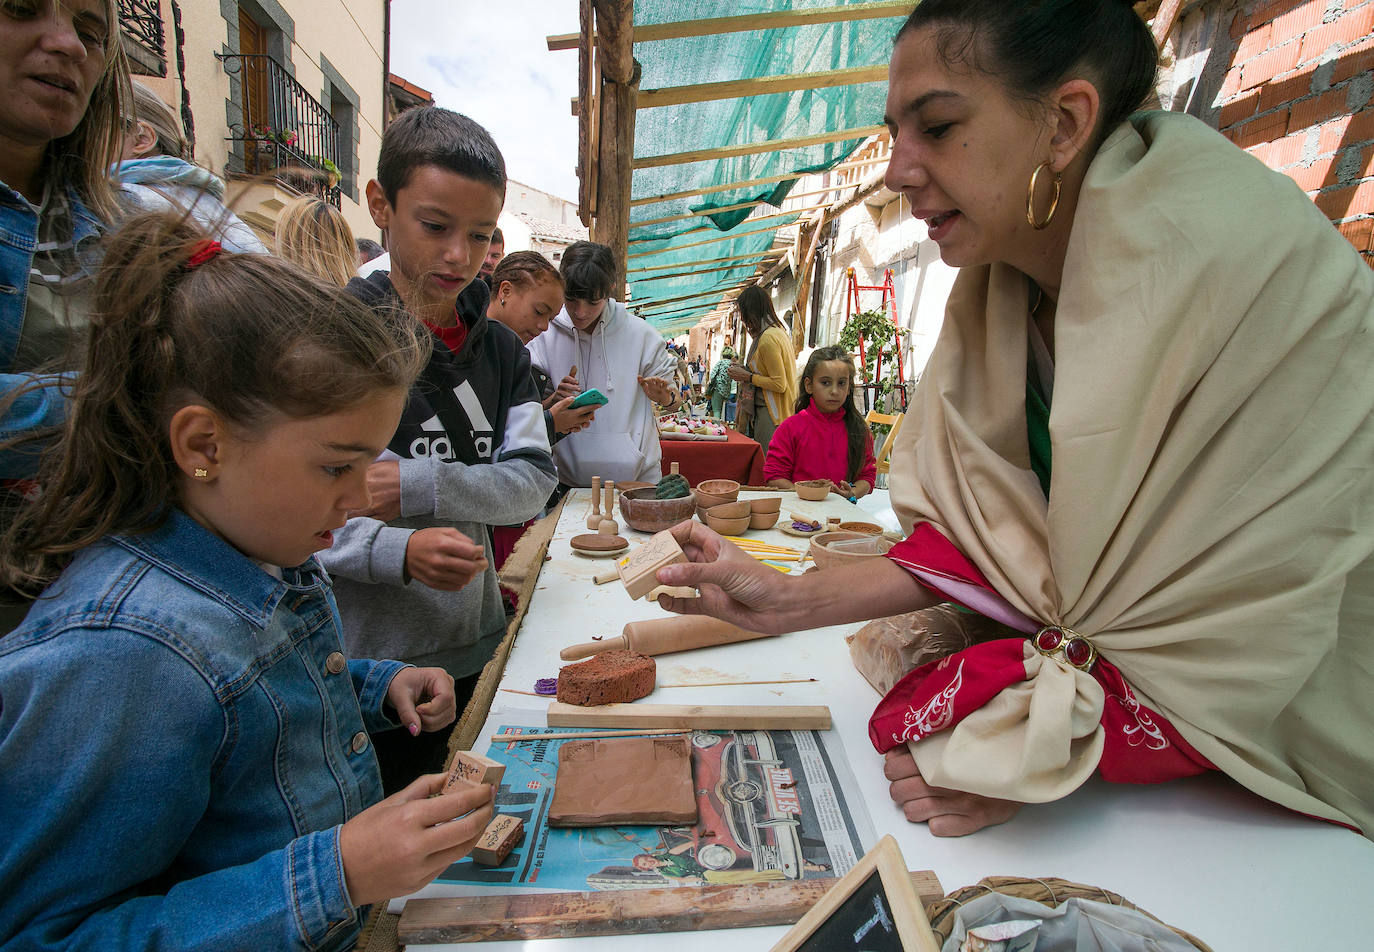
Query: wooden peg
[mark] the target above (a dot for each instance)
(672, 469)
(608, 527)
(594, 520)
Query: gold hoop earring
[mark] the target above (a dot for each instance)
(1030, 199)
(201, 473)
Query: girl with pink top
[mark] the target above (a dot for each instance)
(826, 437)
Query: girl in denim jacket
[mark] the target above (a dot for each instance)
(184, 756)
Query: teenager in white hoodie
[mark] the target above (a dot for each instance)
(596, 342)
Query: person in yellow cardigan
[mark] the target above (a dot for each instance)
(768, 376)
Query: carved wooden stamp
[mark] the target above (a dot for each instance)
(501, 836)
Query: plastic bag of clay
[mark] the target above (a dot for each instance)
(1076, 925)
(886, 649)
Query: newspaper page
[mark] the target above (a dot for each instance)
(772, 806)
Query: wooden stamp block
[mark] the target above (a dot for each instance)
(474, 768)
(498, 839)
(639, 569)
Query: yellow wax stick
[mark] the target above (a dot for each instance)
(762, 556)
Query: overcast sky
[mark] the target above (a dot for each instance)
(489, 61)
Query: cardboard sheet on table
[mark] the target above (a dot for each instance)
(624, 780)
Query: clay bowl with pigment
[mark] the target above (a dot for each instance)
(763, 520)
(833, 549)
(642, 511)
(812, 490)
(714, 492)
(765, 504)
(867, 528)
(727, 526)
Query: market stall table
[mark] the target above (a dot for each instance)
(1202, 854)
(736, 457)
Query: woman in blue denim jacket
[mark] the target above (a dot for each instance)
(64, 78)
(184, 759)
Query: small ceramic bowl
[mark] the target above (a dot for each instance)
(727, 527)
(812, 490)
(713, 492)
(831, 549)
(729, 510)
(766, 504)
(763, 520)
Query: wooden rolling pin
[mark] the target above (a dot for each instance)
(666, 635)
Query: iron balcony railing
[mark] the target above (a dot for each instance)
(140, 24)
(284, 131)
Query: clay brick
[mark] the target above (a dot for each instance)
(1361, 128)
(1315, 110)
(1231, 84)
(1360, 233)
(1261, 151)
(1311, 178)
(1238, 110)
(1339, 204)
(1368, 257)
(1253, 43)
(1353, 61)
(1352, 27)
(1264, 129)
(1239, 24)
(1283, 90)
(1332, 135)
(1264, 13)
(1295, 23)
(1286, 151)
(1266, 66)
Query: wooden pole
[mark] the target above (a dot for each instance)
(615, 147)
(586, 200)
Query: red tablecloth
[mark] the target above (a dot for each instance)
(737, 457)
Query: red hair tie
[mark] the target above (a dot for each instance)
(202, 252)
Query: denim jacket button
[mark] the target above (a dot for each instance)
(335, 663)
(359, 742)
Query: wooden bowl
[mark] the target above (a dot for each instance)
(832, 549)
(763, 520)
(867, 528)
(729, 510)
(642, 511)
(713, 492)
(766, 504)
(728, 527)
(812, 490)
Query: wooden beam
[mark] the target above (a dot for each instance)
(782, 19)
(706, 212)
(586, 191)
(753, 254)
(755, 148)
(703, 212)
(759, 86)
(766, 180)
(748, 221)
(723, 236)
(687, 274)
(1164, 20)
(615, 147)
(652, 303)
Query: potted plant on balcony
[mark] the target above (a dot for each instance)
(330, 170)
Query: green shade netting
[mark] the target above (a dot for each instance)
(720, 123)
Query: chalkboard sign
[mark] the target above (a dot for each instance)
(874, 908)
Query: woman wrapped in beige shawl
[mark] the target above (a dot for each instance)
(1144, 441)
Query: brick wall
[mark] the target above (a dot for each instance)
(1299, 95)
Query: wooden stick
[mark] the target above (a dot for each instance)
(775, 556)
(717, 684)
(726, 717)
(575, 735)
(529, 693)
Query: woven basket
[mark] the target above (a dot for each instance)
(1049, 891)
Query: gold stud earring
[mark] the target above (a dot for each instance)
(201, 473)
